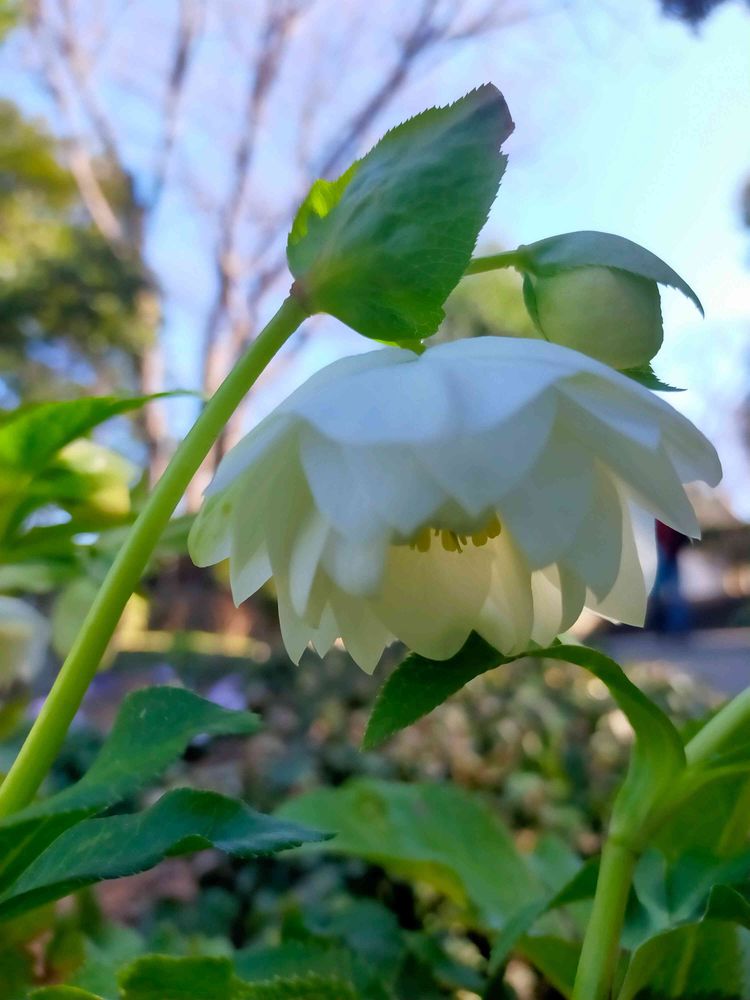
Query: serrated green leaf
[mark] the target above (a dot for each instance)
(647, 376)
(418, 685)
(590, 248)
(382, 247)
(433, 833)
(181, 822)
(153, 728)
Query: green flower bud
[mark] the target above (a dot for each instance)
(609, 314)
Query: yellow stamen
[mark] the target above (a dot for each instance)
(452, 541)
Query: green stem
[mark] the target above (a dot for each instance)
(601, 942)
(732, 719)
(478, 265)
(48, 732)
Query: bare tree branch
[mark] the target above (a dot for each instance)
(190, 22)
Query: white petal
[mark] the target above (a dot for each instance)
(363, 634)
(595, 552)
(623, 411)
(210, 538)
(547, 508)
(295, 632)
(356, 566)
(309, 543)
(648, 474)
(478, 469)
(403, 403)
(249, 451)
(340, 496)
(507, 614)
(626, 602)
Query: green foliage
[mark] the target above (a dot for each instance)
(51, 849)
(181, 822)
(432, 833)
(382, 247)
(589, 248)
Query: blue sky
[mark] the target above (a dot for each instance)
(625, 122)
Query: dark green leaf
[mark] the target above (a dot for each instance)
(590, 248)
(181, 822)
(419, 685)
(382, 247)
(153, 728)
(433, 833)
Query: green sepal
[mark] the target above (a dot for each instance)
(589, 248)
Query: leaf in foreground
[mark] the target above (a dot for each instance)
(181, 822)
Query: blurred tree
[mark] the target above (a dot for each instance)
(71, 309)
(208, 120)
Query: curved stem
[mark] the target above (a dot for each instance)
(601, 942)
(730, 720)
(478, 265)
(48, 732)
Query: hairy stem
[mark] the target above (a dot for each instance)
(48, 732)
(601, 942)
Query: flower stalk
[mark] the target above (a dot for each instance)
(48, 732)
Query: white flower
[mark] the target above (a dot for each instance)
(609, 314)
(488, 485)
(24, 634)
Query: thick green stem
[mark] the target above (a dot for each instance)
(601, 942)
(48, 732)
(478, 265)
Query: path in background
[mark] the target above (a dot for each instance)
(719, 657)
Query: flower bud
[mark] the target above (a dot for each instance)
(609, 314)
(23, 641)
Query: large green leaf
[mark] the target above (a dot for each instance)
(153, 728)
(433, 833)
(590, 248)
(181, 822)
(382, 247)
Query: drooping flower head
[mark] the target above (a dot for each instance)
(488, 485)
